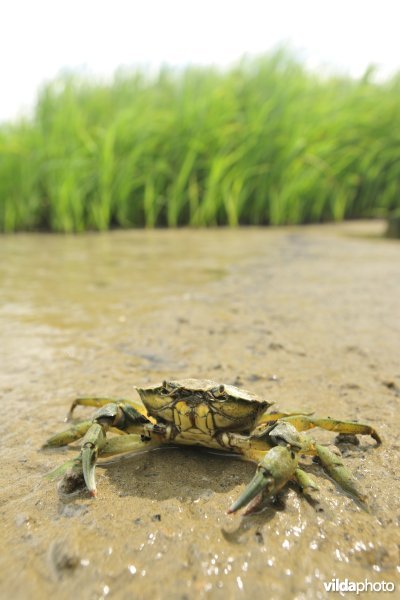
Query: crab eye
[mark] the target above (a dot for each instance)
(167, 387)
(219, 391)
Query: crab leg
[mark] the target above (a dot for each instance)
(277, 416)
(100, 402)
(128, 443)
(334, 466)
(74, 466)
(124, 418)
(72, 434)
(304, 422)
(305, 481)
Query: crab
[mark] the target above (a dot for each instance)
(199, 412)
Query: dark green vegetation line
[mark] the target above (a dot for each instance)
(263, 143)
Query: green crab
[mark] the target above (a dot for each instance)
(200, 412)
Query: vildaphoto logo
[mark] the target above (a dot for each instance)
(346, 585)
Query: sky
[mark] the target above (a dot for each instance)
(41, 38)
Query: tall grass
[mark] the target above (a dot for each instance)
(264, 143)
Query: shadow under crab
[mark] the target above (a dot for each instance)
(195, 412)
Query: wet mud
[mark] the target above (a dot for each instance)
(307, 317)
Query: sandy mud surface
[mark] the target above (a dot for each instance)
(307, 317)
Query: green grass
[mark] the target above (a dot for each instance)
(265, 142)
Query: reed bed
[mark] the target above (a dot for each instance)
(265, 142)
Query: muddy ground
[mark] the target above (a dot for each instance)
(307, 317)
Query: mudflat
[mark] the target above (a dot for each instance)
(307, 317)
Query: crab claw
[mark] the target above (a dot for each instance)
(273, 471)
(92, 442)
